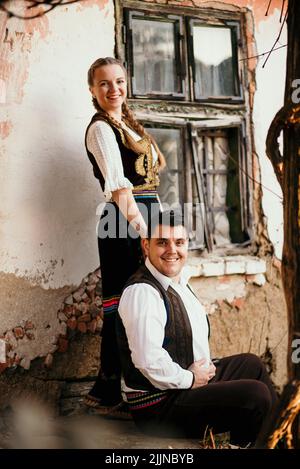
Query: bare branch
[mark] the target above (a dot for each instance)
(48, 5)
(267, 12)
(263, 53)
(277, 39)
(282, 9)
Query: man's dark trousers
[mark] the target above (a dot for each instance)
(237, 399)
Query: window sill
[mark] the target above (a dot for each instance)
(216, 266)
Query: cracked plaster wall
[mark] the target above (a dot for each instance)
(48, 193)
(248, 314)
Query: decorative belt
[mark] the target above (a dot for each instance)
(141, 400)
(110, 304)
(145, 193)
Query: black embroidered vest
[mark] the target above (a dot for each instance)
(138, 167)
(178, 339)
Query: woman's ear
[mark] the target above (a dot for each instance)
(91, 91)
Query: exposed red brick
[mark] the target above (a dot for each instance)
(28, 325)
(84, 318)
(94, 311)
(91, 292)
(69, 311)
(82, 327)
(72, 323)
(77, 312)
(3, 366)
(92, 326)
(19, 332)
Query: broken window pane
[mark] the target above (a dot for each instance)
(215, 70)
(171, 178)
(154, 57)
(218, 160)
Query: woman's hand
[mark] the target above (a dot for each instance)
(128, 207)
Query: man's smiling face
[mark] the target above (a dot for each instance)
(167, 249)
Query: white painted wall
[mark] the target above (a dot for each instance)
(48, 193)
(269, 99)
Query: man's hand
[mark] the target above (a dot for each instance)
(202, 373)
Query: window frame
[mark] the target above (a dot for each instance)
(178, 47)
(235, 33)
(242, 171)
(184, 50)
(183, 130)
(187, 127)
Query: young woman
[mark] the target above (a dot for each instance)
(126, 161)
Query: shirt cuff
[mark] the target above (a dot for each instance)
(192, 380)
(188, 380)
(111, 186)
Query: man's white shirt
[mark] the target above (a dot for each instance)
(144, 316)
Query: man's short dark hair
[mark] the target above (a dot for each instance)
(167, 218)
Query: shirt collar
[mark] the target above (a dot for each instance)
(163, 279)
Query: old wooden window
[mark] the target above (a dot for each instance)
(213, 187)
(162, 50)
(186, 83)
(154, 54)
(220, 184)
(213, 56)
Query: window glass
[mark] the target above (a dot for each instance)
(171, 178)
(215, 72)
(218, 157)
(154, 59)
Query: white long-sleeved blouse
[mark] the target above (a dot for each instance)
(102, 143)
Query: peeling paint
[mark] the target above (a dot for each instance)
(91, 3)
(6, 69)
(2, 91)
(258, 6)
(38, 25)
(5, 128)
(14, 61)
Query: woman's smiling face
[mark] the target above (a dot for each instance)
(110, 87)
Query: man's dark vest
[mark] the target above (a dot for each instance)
(178, 341)
(138, 167)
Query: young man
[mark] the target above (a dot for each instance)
(172, 386)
